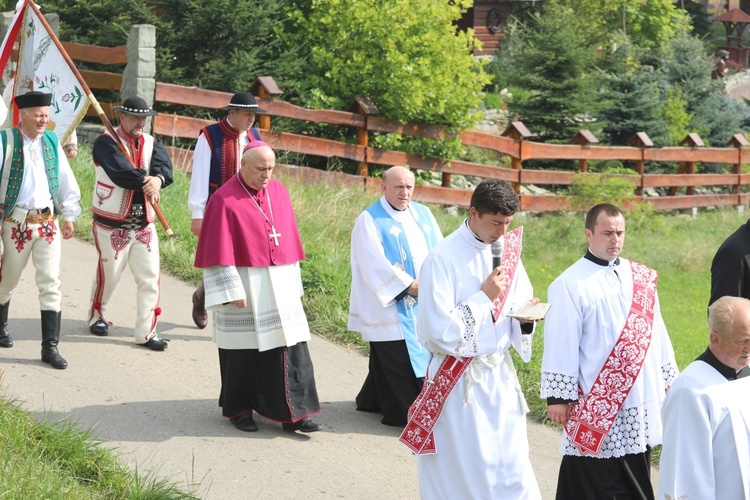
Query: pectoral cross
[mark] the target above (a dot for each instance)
(274, 236)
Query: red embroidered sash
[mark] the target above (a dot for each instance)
(427, 408)
(593, 416)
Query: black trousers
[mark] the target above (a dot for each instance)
(391, 386)
(278, 384)
(622, 478)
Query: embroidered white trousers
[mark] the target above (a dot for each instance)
(137, 249)
(41, 242)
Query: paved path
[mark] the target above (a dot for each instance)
(160, 408)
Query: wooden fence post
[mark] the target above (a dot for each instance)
(640, 140)
(265, 87)
(692, 140)
(738, 141)
(518, 132)
(365, 107)
(584, 137)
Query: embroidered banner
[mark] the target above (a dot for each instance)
(427, 408)
(41, 66)
(594, 414)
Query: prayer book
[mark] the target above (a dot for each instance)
(530, 312)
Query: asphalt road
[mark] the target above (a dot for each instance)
(159, 409)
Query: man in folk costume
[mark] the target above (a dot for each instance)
(123, 229)
(216, 159)
(607, 365)
(706, 450)
(390, 240)
(468, 425)
(37, 187)
(250, 248)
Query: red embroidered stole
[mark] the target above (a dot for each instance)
(593, 416)
(427, 408)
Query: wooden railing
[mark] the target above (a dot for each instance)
(513, 143)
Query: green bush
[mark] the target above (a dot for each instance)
(589, 190)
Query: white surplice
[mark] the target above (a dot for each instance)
(589, 306)
(263, 324)
(375, 280)
(706, 451)
(481, 441)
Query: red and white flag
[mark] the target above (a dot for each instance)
(41, 66)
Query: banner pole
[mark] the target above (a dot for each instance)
(97, 107)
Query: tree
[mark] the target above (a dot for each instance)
(646, 23)
(631, 94)
(225, 44)
(550, 58)
(406, 55)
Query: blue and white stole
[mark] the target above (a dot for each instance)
(396, 248)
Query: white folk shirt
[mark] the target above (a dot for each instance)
(589, 305)
(34, 193)
(481, 437)
(706, 452)
(199, 176)
(375, 281)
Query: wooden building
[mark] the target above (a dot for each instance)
(488, 19)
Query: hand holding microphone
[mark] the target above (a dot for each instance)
(495, 282)
(497, 252)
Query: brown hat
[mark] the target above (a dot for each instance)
(135, 106)
(33, 99)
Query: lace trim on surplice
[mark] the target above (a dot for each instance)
(559, 385)
(468, 346)
(630, 434)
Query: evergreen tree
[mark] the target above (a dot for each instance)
(632, 99)
(549, 57)
(225, 44)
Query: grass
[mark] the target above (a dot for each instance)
(59, 461)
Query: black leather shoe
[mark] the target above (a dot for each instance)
(6, 341)
(100, 328)
(245, 422)
(304, 425)
(156, 344)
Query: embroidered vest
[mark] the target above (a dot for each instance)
(112, 201)
(398, 253)
(223, 139)
(13, 159)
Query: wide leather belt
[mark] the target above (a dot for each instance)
(132, 222)
(36, 216)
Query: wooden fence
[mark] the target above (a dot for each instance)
(513, 143)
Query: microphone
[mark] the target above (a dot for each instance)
(497, 252)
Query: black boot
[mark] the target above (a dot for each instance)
(50, 337)
(5, 338)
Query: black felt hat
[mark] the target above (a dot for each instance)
(33, 99)
(244, 100)
(135, 106)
